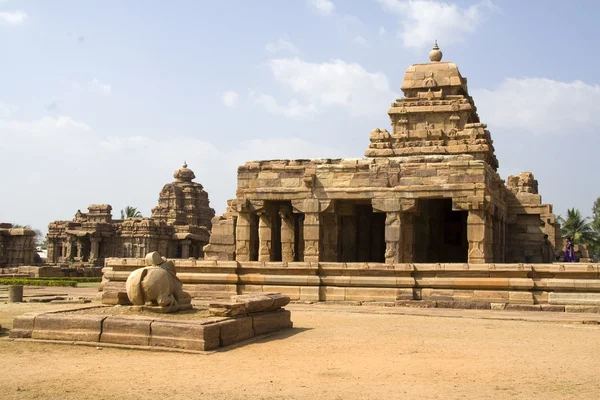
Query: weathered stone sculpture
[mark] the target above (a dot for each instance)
(157, 287)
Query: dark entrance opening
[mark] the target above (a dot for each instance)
(298, 237)
(361, 236)
(253, 256)
(440, 233)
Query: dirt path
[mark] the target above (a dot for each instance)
(332, 353)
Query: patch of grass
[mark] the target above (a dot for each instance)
(38, 282)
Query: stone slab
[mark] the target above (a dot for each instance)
(126, 330)
(236, 330)
(271, 321)
(185, 335)
(61, 326)
(586, 299)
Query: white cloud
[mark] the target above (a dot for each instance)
(540, 106)
(74, 166)
(282, 44)
(13, 17)
(381, 31)
(292, 110)
(360, 40)
(100, 87)
(423, 21)
(335, 84)
(323, 7)
(6, 110)
(230, 98)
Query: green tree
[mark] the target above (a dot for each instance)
(578, 228)
(594, 248)
(130, 212)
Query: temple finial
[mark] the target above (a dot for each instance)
(435, 55)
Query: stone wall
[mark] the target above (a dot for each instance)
(17, 246)
(559, 284)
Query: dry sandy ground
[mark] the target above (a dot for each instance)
(334, 352)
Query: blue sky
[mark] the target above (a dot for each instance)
(100, 101)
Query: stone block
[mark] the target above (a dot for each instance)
(271, 321)
(492, 296)
(470, 305)
(416, 303)
(524, 307)
(62, 326)
(236, 330)
(582, 309)
(586, 299)
(332, 293)
(23, 326)
(130, 330)
(552, 308)
(187, 335)
(115, 298)
(520, 298)
(227, 308)
(498, 306)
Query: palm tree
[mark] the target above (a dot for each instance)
(576, 227)
(130, 212)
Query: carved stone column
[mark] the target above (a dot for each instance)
(287, 234)
(242, 237)
(408, 237)
(330, 235)
(95, 249)
(264, 236)
(51, 244)
(393, 237)
(311, 236)
(399, 228)
(185, 248)
(478, 235)
(312, 225)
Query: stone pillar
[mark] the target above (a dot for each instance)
(312, 225)
(287, 234)
(312, 236)
(185, 248)
(95, 249)
(393, 238)
(408, 237)
(242, 237)
(264, 236)
(479, 237)
(330, 235)
(399, 228)
(51, 244)
(69, 253)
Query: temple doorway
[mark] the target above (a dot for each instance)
(440, 232)
(361, 234)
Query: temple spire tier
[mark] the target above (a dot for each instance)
(436, 116)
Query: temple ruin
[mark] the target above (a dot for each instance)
(179, 227)
(17, 246)
(428, 191)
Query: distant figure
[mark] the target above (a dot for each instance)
(570, 251)
(547, 251)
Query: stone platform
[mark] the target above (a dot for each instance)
(558, 284)
(96, 326)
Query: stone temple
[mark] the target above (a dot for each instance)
(179, 228)
(427, 191)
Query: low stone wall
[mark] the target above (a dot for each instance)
(560, 284)
(56, 271)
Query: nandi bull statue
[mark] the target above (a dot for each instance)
(156, 286)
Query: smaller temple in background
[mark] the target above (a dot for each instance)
(179, 227)
(17, 246)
